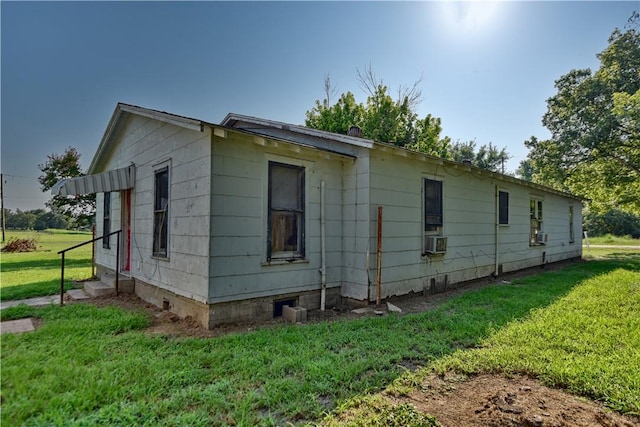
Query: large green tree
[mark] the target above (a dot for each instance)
(594, 120)
(485, 157)
(79, 210)
(382, 117)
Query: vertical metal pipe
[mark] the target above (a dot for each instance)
(497, 236)
(62, 281)
(323, 253)
(93, 251)
(379, 257)
(4, 223)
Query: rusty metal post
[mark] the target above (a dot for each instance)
(117, 261)
(62, 282)
(93, 251)
(379, 257)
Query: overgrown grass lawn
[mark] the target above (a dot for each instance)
(31, 274)
(96, 366)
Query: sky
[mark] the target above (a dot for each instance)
(486, 68)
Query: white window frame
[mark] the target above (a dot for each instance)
(158, 252)
(500, 192)
(106, 220)
(432, 229)
(300, 212)
(538, 217)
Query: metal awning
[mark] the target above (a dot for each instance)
(113, 180)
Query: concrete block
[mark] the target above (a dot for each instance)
(125, 284)
(294, 314)
(99, 289)
(393, 308)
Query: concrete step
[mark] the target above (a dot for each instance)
(77, 294)
(125, 284)
(99, 289)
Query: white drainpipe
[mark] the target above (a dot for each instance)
(495, 272)
(323, 256)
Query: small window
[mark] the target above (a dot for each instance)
(432, 205)
(572, 235)
(106, 221)
(503, 208)
(286, 212)
(161, 212)
(535, 212)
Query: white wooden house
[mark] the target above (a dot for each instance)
(227, 222)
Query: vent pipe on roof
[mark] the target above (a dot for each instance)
(355, 131)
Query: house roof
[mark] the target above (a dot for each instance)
(283, 130)
(258, 125)
(343, 145)
(121, 111)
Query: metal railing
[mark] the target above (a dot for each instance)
(62, 252)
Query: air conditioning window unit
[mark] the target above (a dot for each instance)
(542, 237)
(435, 244)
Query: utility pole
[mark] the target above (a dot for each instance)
(4, 224)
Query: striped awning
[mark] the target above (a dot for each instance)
(113, 180)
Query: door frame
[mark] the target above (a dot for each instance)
(125, 241)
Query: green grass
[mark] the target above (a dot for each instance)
(587, 342)
(96, 366)
(31, 274)
(610, 239)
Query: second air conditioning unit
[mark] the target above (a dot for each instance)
(435, 244)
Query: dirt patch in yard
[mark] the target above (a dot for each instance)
(496, 400)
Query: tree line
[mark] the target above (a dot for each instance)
(36, 219)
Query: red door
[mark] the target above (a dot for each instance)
(126, 230)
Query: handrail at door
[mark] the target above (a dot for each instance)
(62, 252)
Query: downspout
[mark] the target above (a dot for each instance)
(323, 255)
(379, 259)
(495, 272)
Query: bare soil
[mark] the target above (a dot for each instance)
(483, 400)
(496, 400)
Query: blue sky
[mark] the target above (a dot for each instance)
(487, 68)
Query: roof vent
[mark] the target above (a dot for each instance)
(355, 131)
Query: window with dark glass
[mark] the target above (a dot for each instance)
(106, 221)
(286, 212)
(161, 212)
(432, 205)
(503, 208)
(572, 233)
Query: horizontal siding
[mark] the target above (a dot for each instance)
(147, 143)
(469, 224)
(238, 268)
